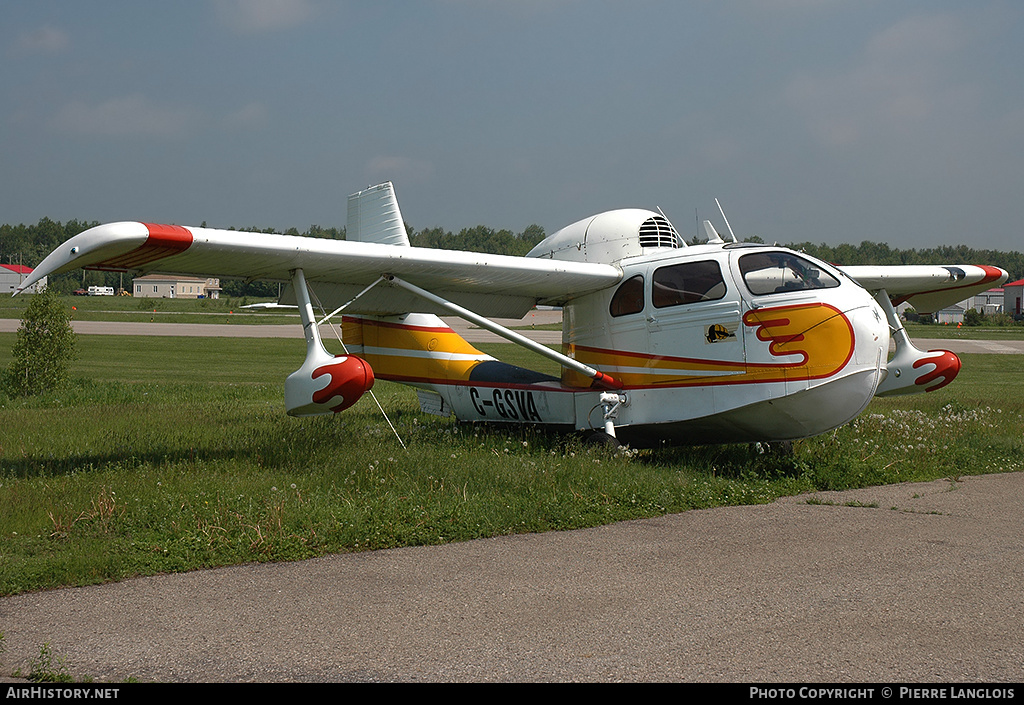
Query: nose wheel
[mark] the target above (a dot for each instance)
(777, 449)
(600, 439)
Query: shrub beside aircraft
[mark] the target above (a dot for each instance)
(662, 342)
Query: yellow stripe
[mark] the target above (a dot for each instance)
(383, 344)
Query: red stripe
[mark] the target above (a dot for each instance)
(464, 383)
(163, 241)
(667, 358)
(399, 326)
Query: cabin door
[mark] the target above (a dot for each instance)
(693, 321)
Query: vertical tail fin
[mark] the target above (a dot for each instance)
(374, 216)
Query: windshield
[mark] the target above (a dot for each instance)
(775, 272)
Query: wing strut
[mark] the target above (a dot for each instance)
(304, 388)
(345, 305)
(599, 377)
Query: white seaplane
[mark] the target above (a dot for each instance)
(661, 342)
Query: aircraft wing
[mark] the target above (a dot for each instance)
(336, 270)
(928, 288)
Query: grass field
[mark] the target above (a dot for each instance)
(982, 332)
(172, 454)
(129, 309)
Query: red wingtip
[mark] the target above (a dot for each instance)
(163, 241)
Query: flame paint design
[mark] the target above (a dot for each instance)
(819, 334)
(350, 378)
(814, 341)
(947, 366)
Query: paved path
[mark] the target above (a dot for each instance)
(469, 332)
(922, 586)
(255, 330)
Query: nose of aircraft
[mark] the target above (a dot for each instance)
(872, 336)
(873, 328)
(847, 392)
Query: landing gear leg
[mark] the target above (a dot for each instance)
(610, 403)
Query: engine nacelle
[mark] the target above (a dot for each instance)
(609, 237)
(327, 384)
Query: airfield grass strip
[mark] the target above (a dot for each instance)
(173, 454)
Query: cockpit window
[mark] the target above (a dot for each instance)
(775, 272)
(687, 283)
(629, 298)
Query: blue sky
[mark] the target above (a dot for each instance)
(811, 120)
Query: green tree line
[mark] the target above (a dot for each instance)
(29, 244)
(881, 253)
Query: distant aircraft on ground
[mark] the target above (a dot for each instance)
(662, 342)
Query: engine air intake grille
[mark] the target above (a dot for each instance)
(658, 232)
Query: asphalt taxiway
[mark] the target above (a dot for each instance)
(914, 583)
(525, 326)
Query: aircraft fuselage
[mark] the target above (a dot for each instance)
(708, 343)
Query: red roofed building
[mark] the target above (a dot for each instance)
(1013, 292)
(12, 275)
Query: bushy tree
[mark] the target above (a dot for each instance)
(44, 348)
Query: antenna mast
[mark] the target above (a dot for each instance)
(722, 211)
(679, 237)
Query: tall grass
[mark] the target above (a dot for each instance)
(171, 454)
